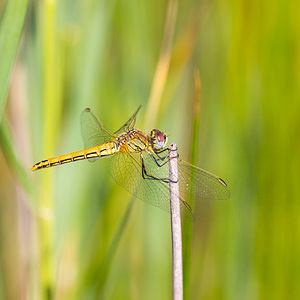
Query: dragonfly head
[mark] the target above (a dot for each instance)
(158, 139)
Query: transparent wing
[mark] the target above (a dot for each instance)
(201, 183)
(92, 130)
(129, 124)
(126, 170)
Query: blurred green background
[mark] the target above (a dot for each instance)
(70, 232)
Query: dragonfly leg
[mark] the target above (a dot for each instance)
(164, 150)
(161, 159)
(145, 175)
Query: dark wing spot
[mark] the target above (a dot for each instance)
(222, 181)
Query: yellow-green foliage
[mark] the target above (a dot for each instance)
(70, 232)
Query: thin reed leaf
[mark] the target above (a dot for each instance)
(12, 158)
(162, 67)
(51, 113)
(187, 226)
(97, 273)
(11, 25)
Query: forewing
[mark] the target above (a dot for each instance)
(92, 130)
(201, 183)
(129, 124)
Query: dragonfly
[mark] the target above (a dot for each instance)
(140, 163)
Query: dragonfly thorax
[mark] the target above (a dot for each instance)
(158, 139)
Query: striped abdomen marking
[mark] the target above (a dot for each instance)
(94, 152)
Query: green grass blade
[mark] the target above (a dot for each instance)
(98, 271)
(162, 68)
(14, 163)
(11, 26)
(187, 226)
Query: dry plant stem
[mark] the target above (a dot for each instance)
(176, 225)
(162, 68)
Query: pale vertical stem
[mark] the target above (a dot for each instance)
(175, 224)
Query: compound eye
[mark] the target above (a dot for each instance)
(160, 137)
(161, 140)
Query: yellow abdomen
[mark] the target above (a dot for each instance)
(106, 149)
